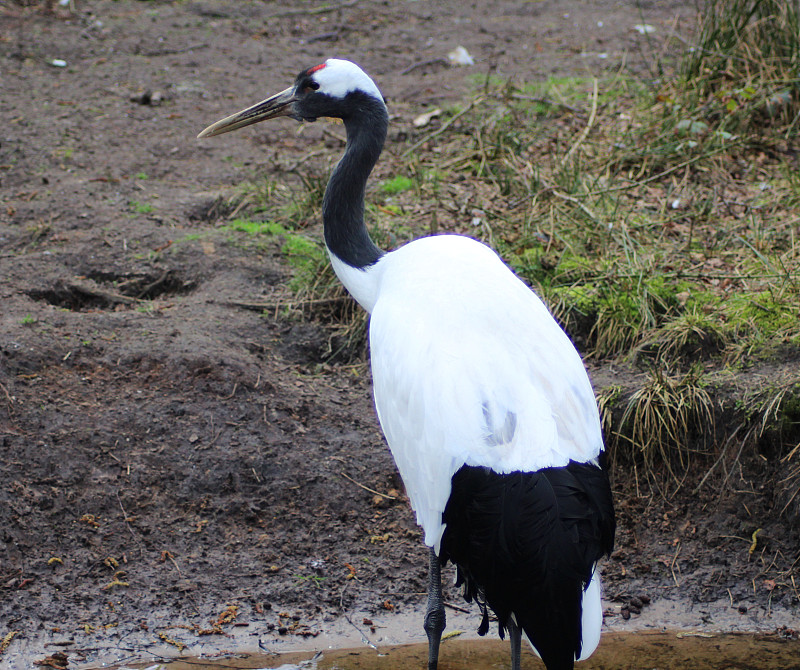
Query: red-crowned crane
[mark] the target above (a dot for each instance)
(484, 401)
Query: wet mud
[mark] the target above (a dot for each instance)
(617, 651)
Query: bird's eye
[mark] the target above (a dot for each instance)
(314, 86)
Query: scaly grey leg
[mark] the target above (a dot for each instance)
(434, 617)
(515, 636)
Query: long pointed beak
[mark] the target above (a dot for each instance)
(277, 105)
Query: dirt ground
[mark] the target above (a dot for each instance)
(179, 470)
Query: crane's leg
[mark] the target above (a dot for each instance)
(434, 618)
(515, 636)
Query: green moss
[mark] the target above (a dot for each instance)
(582, 298)
(763, 310)
(191, 237)
(304, 254)
(308, 259)
(790, 407)
(256, 227)
(141, 207)
(757, 314)
(539, 266)
(397, 184)
(299, 249)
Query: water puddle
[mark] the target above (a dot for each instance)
(620, 651)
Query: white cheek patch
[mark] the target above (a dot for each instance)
(340, 77)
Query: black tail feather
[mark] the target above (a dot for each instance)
(526, 543)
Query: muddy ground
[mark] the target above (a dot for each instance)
(177, 469)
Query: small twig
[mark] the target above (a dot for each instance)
(634, 183)
(127, 523)
(719, 460)
(311, 11)
(152, 286)
(443, 127)
(745, 440)
(7, 394)
(548, 101)
(785, 459)
(484, 157)
(457, 608)
(789, 502)
(97, 292)
(423, 63)
(323, 37)
(288, 302)
(366, 488)
(672, 565)
(168, 555)
(588, 127)
(210, 444)
(170, 52)
(233, 393)
(364, 638)
(335, 136)
(304, 158)
(242, 204)
(588, 211)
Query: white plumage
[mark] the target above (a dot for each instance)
(470, 368)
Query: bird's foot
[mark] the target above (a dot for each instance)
(435, 621)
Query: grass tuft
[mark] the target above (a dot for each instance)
(745, 67)
(664, 418)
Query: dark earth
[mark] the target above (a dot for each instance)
(180, 473)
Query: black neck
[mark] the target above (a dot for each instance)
(343, 205)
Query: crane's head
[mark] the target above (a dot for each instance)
(335, 88)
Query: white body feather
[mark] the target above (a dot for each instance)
(468, 367)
